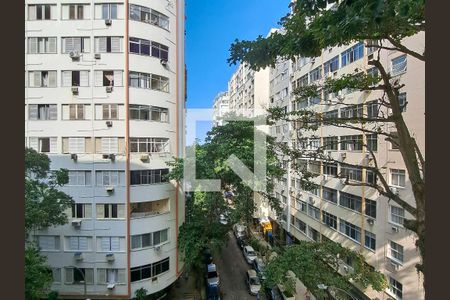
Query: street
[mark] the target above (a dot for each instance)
(232, 267)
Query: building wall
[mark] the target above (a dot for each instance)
(125, 160)
(220, 107)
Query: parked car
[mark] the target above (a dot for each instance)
(252, 281)
(242, 242)
(223, 219)
(212, 277)
(259, 266)
(212, 292)
(274, 294)
(207, 256)
(249, 254)
(239, 230)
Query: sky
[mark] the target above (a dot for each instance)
(211, 27)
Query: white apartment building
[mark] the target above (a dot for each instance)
(105, 99)
(334, 210)
(220, 108)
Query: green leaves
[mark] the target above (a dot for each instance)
(38, 275)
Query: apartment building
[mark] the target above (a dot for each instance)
(335, 210)
(220, 108)
(105, 99)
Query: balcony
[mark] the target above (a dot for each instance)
(149, 208)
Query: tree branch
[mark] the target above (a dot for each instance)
(404, 49)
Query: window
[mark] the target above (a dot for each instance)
(108, 111)
(353, 54)
(350, 230)
(329, 220)
(110, 211)
(147, 15)
(44, 144)
(78, 243)
(350, 201)
(395, 288)
(332, 65)
(149, 81)
(145, 112)
(41, 45)
(149, 176)
(373, 109)
(42, 78)
(394, 143)
(110, 243)
(80, 178)
(81, 210)
(150, 270)
(149, 48)
(351, 173)
(42, 112)
(370, 240)
(76, 44)
(330, 194)
(149, 145)
(76, 111)
(109, 145)
(109, 178)
(398, 177)
(396, 215)
(79, 275)
(105, 276)
(402, 101)
(109, 11)
(41, 12)
(398, 65)
(396, 252)
(109, 78)
(56, 275)
(300, 225)
(371, 208)
(313, 167)
(313, 212)
(353, 111)
(48, 243)
(330, 143)
(108, 44)
(315, 74)
(313, 143)
(75, 11)
(371, 177)
(301, 205)
(75, 78)
(312, 234)
(372, 142)
(352, 142)
(149, 239)
(330, 169)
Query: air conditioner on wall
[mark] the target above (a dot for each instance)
(343, 156)
(157, 248)
(110, 257)
(74, 54)
(345, 269)
(145, 157)
(109, 89)
(74, 157)
(108, 22)
(394, 229)
(75, 90)
(76, 223)
(311, 200)
(109, 189)
(111, 286)
(163, 62)
(97, 56)
(370, 221)
(78, 256)
(109, 123)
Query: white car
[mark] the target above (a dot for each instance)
(239, 230)
(212, 276)
(223, 220)
(249, 254)
(253, 283)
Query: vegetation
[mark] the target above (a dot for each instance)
(382, 25)
(44, 207)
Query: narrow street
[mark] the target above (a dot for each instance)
(232, 267)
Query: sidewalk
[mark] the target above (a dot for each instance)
(185, 288)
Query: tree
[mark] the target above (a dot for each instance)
(309, 29)
(315, 263)
(202, 227)
(44, 207)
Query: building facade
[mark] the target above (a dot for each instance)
(220, 108)
(105, 99)
(357, 217)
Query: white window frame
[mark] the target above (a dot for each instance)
(86, 210)
(398, 173)
(391, 213)
(65, 15)
(399, 61)
(77, 144)
(107, 175)
(80, 241)
(42, 45)
(44, 240)
(399, 252)
(81, 44)
(81, 176)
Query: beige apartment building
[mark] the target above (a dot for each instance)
(334, 210)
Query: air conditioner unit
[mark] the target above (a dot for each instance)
(394, 265)
(110, 189)
(345, 269)
(108, 22)
(394, 229)
(74, 54)
(394, 190)
(325, 177)
(78, 256)
(370, 221)
(343, 156)
(111, 286)
(105, 156)
(112, 157)
(145, 157)
(109, 89)
(97, 56)
(76, 223)
(109, 123)
(163, 62)
(75, 90)
(157, 248)
(110, 257)
(74, 157)
(311, 200)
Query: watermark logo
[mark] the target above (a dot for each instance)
(256, 180)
